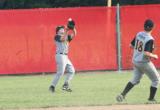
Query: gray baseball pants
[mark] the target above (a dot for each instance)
(149, 69)
(63, 65)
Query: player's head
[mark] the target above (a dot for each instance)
(60, 30)
(148, 25)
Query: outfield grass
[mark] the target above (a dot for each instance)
(88, 89)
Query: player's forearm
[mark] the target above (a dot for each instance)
(151, 55)
(74, 33)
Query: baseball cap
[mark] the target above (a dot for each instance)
(148, 25)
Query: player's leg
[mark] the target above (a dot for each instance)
(70, 71)
(154, 76)
(137, 75)
(61, 65)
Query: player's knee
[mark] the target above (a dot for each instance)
(72, 71)
(59, 74)
(155, 83)
(135, 82)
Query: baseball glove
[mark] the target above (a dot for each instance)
(71, 24)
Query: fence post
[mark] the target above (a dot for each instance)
(119, 58)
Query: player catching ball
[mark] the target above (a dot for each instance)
(63, 37)
(143, 45)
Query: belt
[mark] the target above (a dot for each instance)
(62, 53)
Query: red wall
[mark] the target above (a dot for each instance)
(132, 19)
(26, 44)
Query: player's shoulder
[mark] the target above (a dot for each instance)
(57, 37)
(141, 33)
(144, 35)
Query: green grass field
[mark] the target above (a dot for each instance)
(89, 89)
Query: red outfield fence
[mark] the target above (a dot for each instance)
(27, 46)
(132, 19)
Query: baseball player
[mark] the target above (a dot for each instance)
(143, 45)
(63, 37)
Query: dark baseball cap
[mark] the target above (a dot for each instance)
(148, 25)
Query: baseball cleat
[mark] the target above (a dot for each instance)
(120, 98)
(52, 88)
(151, 101)
(66, 88)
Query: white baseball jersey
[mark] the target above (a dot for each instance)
(140, 42)
(62, 47)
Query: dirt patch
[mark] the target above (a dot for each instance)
(112, 107)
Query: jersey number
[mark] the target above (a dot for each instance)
(139, 46)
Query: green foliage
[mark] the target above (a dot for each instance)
(138, 2)
(18, 4)
(18, 92)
